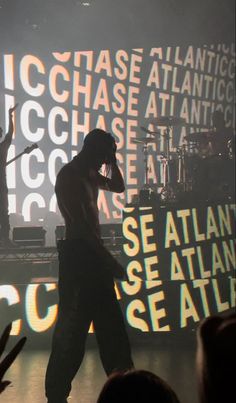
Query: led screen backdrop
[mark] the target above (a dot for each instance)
(118, 66)
(181, 268)
(62, 96)
(181, 264)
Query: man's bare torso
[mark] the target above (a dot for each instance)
(77, 190)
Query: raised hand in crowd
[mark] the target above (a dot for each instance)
(11, 110)
(10, 357)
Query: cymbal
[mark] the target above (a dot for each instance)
(169, 121)
(149, 131)
(200, 136)
(143, 140)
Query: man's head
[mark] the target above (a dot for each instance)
(100, 147)
(218, 120)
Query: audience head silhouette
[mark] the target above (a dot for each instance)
(216, 354)
(136, 386)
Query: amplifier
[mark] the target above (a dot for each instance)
(59, 233)
(111, 234)
(29, 236)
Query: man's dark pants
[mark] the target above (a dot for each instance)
(86, 294)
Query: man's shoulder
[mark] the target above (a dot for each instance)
(69, 173)
(65, 169)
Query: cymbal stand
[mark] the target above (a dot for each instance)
(147, 194)
(167, 192)
(166, 173)
(181, 179)
(145, 153)
(168, 153)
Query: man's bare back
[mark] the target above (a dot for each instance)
(76, 189)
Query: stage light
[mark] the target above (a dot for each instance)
(86, 3)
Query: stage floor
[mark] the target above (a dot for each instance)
(174, 363)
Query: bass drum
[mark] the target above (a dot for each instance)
(212, 177)
(193, 177)
(173, 168)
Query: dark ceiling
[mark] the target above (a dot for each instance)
(68, 24)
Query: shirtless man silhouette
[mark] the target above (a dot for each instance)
(86, 270)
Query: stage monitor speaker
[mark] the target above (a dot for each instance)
(60, 233)
(29, 236)
(110, 230)
(111, 233)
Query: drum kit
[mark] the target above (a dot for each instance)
(184, 171)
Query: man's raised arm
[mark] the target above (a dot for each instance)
(116, 182)
(8, 137)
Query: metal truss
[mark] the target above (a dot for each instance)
(35, 254)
